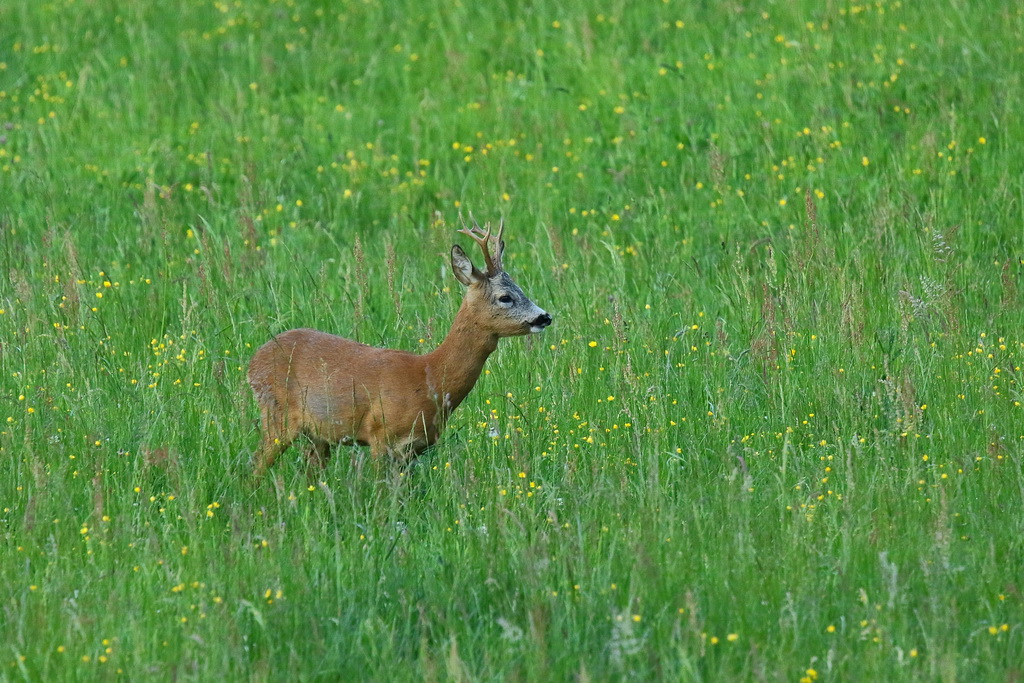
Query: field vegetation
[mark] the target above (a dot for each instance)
(774, 433)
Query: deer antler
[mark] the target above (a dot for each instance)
(489, 244)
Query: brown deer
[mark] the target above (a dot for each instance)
(335, 390)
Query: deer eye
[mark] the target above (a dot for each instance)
(505, 299)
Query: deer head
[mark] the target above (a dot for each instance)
(504, 309)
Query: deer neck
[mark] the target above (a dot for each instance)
(454, 366)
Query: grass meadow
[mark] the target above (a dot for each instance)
(775, 432)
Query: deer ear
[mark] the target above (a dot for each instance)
(465, 271)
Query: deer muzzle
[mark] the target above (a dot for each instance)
(540, 322)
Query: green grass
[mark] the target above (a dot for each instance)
(775, 432)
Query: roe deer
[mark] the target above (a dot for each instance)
(336, 390)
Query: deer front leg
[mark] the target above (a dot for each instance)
(403, 452)
(318, 454)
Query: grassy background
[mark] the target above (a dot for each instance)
(775, 432)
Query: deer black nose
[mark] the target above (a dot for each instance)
(542, 320)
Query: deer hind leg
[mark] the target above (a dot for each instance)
(276, 436)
